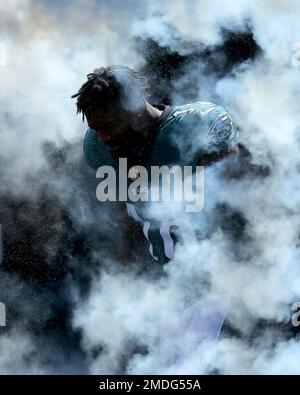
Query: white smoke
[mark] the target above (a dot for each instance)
(45, 53)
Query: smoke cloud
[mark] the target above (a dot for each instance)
(70, 308)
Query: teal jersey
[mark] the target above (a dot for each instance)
(185, 133)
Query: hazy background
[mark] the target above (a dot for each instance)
(69, 310)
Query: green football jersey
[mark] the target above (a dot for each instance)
(185, 133)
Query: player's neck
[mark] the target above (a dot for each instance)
(148, 118)
(152, 113)
(149, 121)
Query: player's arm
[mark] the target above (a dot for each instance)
(131, 246)
(130, 234)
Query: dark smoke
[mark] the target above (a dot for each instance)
(57, 238)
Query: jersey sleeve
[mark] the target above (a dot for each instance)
(96, 153)
(221, 134)
(201, 128)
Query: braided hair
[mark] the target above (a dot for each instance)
(114, 86)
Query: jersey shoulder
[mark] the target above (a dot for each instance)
(204, 124)
(95, 152)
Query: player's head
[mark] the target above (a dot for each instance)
(110, 100)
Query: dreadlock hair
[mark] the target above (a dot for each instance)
(106, 87)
